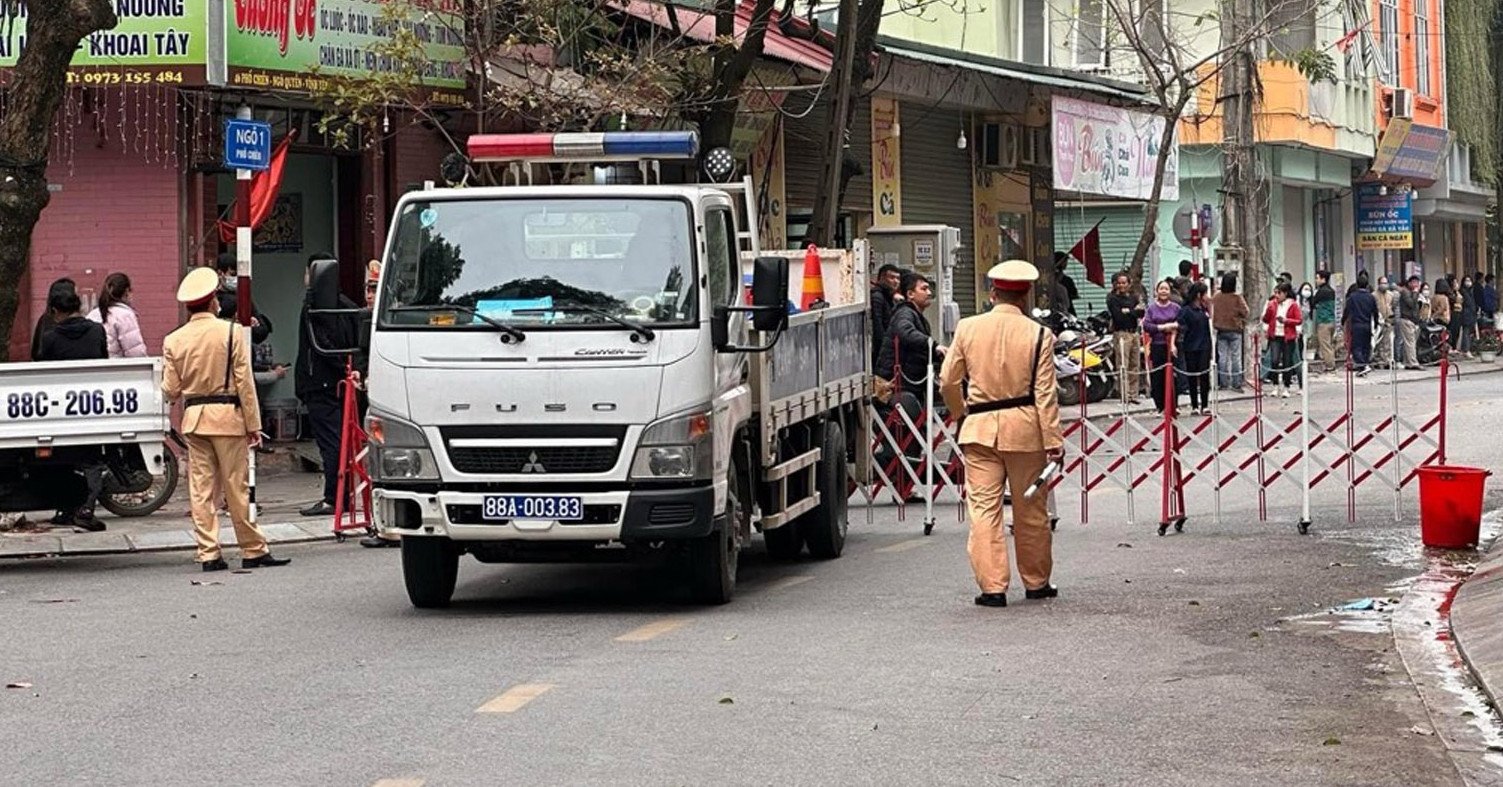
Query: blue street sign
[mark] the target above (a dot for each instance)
(247, 144)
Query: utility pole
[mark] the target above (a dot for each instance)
(1244, 194)
(827, 203)
(1495, 40)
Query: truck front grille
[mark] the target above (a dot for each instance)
(524, 457)
(538, 461)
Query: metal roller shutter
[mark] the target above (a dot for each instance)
(937, 187)
(1120, 228)
(804, 136)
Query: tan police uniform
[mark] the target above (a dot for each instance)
(1011, 421)
(208, 366)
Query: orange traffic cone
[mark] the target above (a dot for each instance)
(814, 282)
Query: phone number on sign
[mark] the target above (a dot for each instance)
(126, 77)
(41, 404)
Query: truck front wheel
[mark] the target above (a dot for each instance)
(430, 567)
(713, 559)
(824, 526)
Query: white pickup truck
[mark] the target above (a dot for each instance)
(55, 415)
(568, 373)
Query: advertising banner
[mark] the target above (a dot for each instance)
(156, 42)
(1110, 151)
(290, 45)
(1384, 221)
(1412, 152)
(887, 164)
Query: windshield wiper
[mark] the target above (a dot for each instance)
(510, 334)
(639, 331)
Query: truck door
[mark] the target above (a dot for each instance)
(722, 266)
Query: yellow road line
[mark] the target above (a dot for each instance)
(788, 582)
(904, 546)
(398, 783)
(652, 630)
(515, 698)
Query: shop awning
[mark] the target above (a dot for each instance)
(1023, 72)
(700, 26)
(567, 86)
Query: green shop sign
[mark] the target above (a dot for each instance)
(291, 44)
(155, 42)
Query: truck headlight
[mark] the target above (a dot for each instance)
(398, 450)
(676, 447)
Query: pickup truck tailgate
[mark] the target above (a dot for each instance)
(63, 403)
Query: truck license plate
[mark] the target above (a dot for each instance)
(546, 507)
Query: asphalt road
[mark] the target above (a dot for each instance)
(1165, 661)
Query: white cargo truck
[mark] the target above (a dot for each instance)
(572, 373)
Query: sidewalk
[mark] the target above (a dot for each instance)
(169, 529)
(1475, 615)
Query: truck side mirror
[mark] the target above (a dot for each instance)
(323, 283)
(720, 328)
(770, 293)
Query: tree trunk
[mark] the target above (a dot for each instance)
(37, 85)
(731, 66)
(851, 70)
(1151, 208)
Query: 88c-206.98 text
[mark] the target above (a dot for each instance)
(39, 404)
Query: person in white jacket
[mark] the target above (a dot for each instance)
(122, 329)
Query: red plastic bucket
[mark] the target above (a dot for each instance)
(1451, 505)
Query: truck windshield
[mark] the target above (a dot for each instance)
(597, 260)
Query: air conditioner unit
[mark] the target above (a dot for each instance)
(1036, 150)
(999, 145)
(1401, 103)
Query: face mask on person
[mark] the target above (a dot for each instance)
(229, 281)
(1304, 292)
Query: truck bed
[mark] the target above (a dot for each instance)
(820, 363)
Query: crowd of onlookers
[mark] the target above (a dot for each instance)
(1185, 322)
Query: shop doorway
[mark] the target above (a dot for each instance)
(317, 211)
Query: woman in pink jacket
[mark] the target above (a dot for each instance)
(121, 328)
(1283, 318)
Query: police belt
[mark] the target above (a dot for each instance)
(1002, 404)
(193, 401)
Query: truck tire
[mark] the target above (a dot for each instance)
(430, 567)
(824, 526)
(714, 558)
(784, 543)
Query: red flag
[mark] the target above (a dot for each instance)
(264, 187)
(1088, 251)
(1345, 42)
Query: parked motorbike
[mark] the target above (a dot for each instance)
(133, 492)
(1428, 342)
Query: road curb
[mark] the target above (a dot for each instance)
(42, 545)
(1476, 607)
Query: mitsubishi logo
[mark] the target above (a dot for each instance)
(533, 465)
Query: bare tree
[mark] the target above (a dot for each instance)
(562, 65)
(37, 84)
(1179, 56)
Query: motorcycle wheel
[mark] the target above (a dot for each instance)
(135, 504)
(1098, 388)
(1068, 392)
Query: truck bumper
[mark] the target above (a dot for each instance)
(640, 515)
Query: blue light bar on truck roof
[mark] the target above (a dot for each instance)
(609, 146)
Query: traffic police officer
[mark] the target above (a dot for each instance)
(999, 376)
(208, 366)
